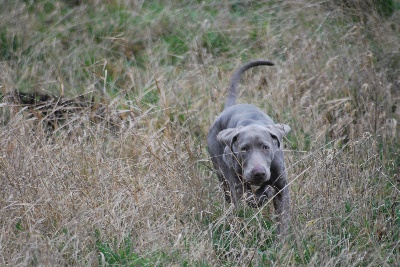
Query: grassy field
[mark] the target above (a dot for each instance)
(105, 108)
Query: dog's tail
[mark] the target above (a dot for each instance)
(232, 91)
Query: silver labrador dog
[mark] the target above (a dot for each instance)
(245, 146)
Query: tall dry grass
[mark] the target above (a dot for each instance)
(127, 180)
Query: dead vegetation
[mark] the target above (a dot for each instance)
(104, 110)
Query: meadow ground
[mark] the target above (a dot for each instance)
(105, 107)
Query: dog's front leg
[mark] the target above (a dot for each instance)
(282, 198)
(282, 205)
(265, 193)
(232, 180)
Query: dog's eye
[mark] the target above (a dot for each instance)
(244, 149)
(265, 147)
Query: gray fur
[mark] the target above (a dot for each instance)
(245, 146)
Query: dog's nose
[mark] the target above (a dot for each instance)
(258, 172)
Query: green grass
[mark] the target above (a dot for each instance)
(120, 254)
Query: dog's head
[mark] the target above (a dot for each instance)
(250, 150)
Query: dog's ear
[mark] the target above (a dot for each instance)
(227, 157)
(228, 136)
(278, 131)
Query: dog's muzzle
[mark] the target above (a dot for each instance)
(257, 175)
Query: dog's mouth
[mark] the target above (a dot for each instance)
(256, 180)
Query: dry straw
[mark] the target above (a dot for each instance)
(120, 175)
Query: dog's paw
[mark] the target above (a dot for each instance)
(252, 200)
(266, 192)
(262, 195)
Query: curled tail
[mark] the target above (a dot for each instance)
(232, 91)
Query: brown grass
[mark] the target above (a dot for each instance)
(127, 181)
